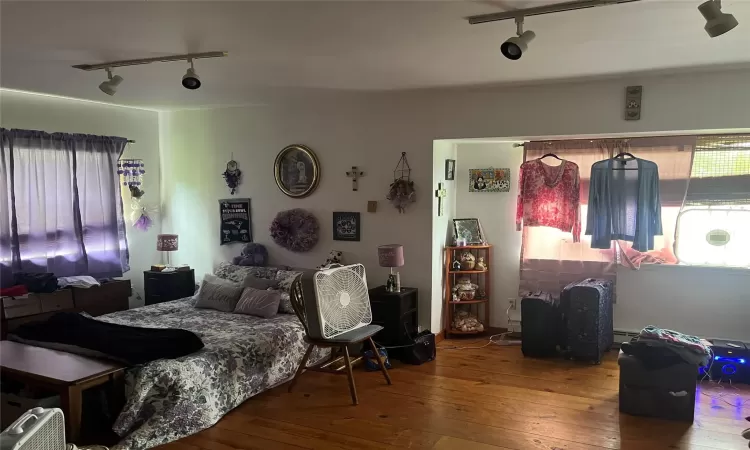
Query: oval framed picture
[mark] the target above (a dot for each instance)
(297, 171)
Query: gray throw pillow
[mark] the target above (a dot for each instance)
(218, 296)
(259, 283)
(259, 303)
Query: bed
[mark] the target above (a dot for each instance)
(243, 356)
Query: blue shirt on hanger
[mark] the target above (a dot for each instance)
(624, 203)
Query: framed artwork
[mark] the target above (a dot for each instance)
(346, 226)
(297, 171)
(450, 169)
(234, 216)
(489, 180)
(468, 230)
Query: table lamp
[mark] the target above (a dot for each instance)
(392, 255)
(166, 243)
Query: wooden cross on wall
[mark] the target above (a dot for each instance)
(354, 174)
(440, 193)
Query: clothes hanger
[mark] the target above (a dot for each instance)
(552, 155)
(621, 157)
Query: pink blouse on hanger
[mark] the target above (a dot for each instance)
(549, 196)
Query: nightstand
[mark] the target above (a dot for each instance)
(397, 313)
(166, 286)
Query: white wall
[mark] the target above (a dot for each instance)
(370, 131)
(442, 227)
(199, 143)
(54, 114)
(496, 213)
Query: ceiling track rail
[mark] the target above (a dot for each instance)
(545, 9)
(138, 62)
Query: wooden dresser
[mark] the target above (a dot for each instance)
(109, 297)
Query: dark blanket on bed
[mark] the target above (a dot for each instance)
(134, 345)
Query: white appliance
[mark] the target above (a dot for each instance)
(336, 301)
(37, 429)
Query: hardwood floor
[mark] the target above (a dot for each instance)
(482, 399)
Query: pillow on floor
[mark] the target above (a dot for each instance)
(221, 296)
(256, 302)
(285, 279)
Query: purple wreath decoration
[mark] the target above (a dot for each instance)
(295, 230)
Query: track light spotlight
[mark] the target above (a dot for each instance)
(109, 87)
(717, 22)
(191, 80)
(516, 46)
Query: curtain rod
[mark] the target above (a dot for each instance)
(130, 141)
(616, 138)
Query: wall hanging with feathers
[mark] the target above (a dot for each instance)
(131, 173)
(232, 176)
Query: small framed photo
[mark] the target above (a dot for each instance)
(468, 230)
(346, 226)
(450, 169)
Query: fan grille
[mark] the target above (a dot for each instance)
(49, 436)
(343, 299)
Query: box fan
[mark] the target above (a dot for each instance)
(336, 301)
(36, 429)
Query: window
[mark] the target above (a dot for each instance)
(60, 207)
(714, 226)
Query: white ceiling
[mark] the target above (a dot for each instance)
(283, 48)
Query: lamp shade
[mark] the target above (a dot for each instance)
(391, 255)
(166, 242)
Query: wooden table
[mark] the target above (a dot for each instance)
(61, 372)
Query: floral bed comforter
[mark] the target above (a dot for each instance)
(172, 398)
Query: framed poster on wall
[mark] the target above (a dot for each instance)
(346, 226)
(235, 222)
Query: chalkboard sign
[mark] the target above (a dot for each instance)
(235, 220)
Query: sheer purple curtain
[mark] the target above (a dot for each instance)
(61, 209)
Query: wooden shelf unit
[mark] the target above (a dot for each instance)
(479, 277)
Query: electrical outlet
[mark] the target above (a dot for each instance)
(513, 303)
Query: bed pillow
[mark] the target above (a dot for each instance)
(231, 272)
(221, 296)
(285, 279)
(254, 282)
(257, 302)
(214, 279)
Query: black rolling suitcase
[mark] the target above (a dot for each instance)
(540, 324)
(587, 317)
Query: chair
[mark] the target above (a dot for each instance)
(341, 342)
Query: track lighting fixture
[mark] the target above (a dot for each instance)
(191, 80)
(717, 22)
(516, 46)
(109, 87)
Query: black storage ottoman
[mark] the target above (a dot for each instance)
(667, 393)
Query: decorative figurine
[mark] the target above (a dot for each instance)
(468, 261)
(456, 265)
(481, 265)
